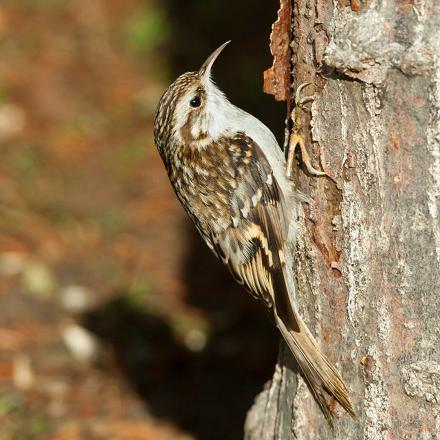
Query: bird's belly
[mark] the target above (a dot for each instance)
(205, 203)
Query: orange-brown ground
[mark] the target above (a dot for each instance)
(115, 321)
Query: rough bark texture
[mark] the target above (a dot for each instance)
(277, 78)
(368, 254)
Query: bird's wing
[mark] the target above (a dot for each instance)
(253, 244)
(253, 247)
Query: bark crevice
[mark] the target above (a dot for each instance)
(367, 258)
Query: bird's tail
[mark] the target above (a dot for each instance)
(321, 376)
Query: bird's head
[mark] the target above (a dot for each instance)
(192, 109)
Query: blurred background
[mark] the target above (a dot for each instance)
(115, 320)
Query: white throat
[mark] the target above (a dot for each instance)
(220, 113)
(224, 118)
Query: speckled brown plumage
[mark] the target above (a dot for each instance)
(215, 185)
(220, 164)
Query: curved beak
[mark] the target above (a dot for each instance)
(205, 70)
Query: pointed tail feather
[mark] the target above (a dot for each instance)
(321, 376)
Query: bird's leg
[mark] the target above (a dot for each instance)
(296, 139)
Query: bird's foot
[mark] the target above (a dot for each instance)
(296, 139)
(299, 102)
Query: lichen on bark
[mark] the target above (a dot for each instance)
(367, 261)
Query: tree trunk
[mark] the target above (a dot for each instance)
(368, 251)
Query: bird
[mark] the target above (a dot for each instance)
(228, 172)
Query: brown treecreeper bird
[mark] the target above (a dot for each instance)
(229, 174)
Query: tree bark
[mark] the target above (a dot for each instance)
(368, 252)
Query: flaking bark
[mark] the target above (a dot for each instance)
(368, 252)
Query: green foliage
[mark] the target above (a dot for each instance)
(7, 405)
(26, 159)
(17, 424)
(131, 152)
(141, 286)
(111, 218)
(38, 425)
(3, 94)
(148, 30)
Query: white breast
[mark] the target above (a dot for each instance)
(224, 117)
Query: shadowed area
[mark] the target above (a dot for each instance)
(115, 320)
(200, 27)
(206, 393)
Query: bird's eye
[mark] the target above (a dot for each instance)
(195, 102)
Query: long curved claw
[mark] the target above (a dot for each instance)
(296, 139)
(300, 89)
(299, 102)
